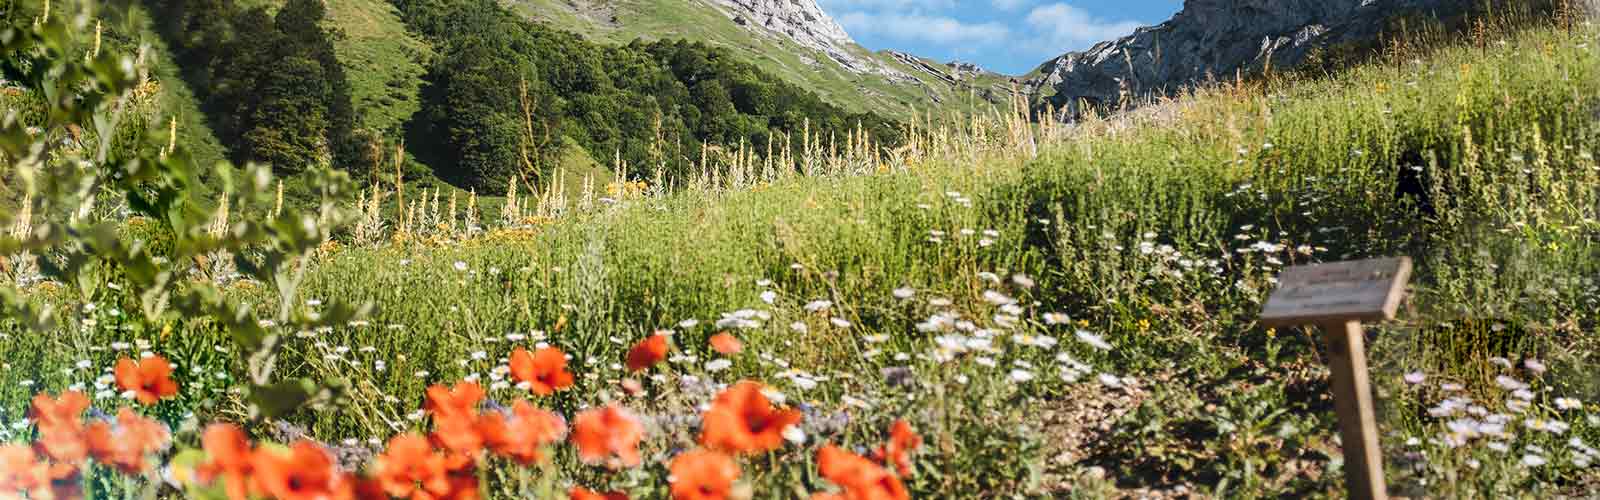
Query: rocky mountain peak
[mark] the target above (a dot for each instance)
(805, 23)
(1212, 39)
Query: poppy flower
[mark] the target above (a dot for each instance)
(66, 481)
(150, 379)
(63, 411)
(228, 454)
(648, 352)
(902, 441)
(63, 445)
(545, 370)
(742, 420)
(21, 472)
(522, 435)
(462, 399)
(610, 433)
(303, 472)
(458, 433)
(61, 433)
(410, 467)
(703, 475)
(581, 493)
(861, 479)
(126, 445)
(726, 344)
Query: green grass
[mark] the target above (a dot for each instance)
(1158, 232)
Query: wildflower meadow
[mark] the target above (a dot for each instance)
(998, 308)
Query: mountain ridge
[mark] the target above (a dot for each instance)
(794, 39)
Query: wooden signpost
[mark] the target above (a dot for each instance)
(1337, 297)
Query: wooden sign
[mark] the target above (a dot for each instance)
(1338, 296)
(1362, 290)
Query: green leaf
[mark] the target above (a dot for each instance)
(276, 400)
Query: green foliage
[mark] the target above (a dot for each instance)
(149, 275)
(503, 92)
(271, 83)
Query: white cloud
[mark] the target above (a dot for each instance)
(1063, 27)
(935, 29)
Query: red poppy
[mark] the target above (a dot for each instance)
(458, 433)
(608, 434)
(648, 352)
(523, 435)
(703, 475)
(66, 482)
(21, 472)
(229, 457)
(304, 472)
(63, 445)
(861, 478)
(63, 412)
(726, 344)
(545, 370)
(409, 468)
(150, 379)
(451, 401)
(902, 441)
(61, 432)
(581, 493)
(742, 420)
(126, 445)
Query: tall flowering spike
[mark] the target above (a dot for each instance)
(126, 445)
(304, 471)
(860, 478)
(409, 468)
(228, 457)
(902, 441)
(726, 343)
(545, 370)
(460, 400)
(523, 435)
(609, 434)
(742, 420)
(149, 379)
(648, 352)
(703, 475)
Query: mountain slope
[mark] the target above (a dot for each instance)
(384, 60)
(1217, 39)
(792, 39)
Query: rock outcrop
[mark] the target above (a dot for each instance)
(1212, 39)
(805, 23)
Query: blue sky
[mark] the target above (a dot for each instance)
(1008, 36)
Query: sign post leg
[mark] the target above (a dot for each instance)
(1358, 428)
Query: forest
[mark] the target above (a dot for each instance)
(502, 96)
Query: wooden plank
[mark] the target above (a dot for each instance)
(1352, 399)
(1364, 290)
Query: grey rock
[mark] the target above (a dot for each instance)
(805, 23)
(1212, 40)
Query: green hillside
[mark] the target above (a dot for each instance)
(384, 61)
(1001, 310)
(621, 21)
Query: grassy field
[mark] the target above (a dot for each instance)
(1059, 312)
